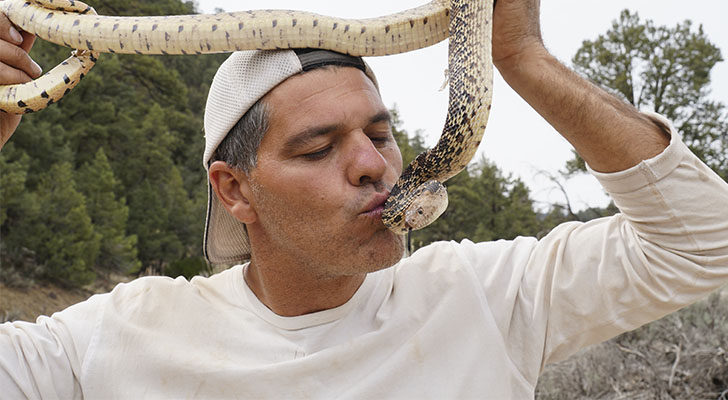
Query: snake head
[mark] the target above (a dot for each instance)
(428, 202)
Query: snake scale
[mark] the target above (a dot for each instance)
(418, 197)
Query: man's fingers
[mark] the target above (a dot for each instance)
(11, 34)
(8, 32)
(16, 66)
(11, 76)
(28, 40)
(15, 58)
(14, 47)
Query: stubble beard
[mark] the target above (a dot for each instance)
(326, 253)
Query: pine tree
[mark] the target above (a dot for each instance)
(109, 215)
(61, 233)
(160, 209)
(12, 187)
(146, 113)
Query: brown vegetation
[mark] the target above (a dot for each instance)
(29, 301)
(682, 356)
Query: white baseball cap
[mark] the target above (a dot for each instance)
(243, 79)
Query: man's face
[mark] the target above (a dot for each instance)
(324, 170)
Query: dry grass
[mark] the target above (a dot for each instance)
(29, 301)
(682, 356)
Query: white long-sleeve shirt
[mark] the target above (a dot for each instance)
(454, 320)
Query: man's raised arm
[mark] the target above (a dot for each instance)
(585, 283)
(609, 134)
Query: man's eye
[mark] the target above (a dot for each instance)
(317, 155)
(379, 139)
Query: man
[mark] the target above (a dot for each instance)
(301, 157)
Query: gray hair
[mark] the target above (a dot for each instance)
(239, 149)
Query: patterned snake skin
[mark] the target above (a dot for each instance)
(418, 198)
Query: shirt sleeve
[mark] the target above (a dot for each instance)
(45, 359)
(587, 282)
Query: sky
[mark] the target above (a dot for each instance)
(516, 139)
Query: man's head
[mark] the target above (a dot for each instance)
(306, 167)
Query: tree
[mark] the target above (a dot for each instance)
(146, 113)
(160, 209)
(483, 205)
(109, 215)
(409, 146)
(66, 258)
(12, 186)
(665, 70)
(17, 206)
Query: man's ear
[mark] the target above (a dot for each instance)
(233, 190)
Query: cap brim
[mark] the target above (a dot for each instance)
(226, 240)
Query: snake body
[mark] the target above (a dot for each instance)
(74, 24)
(418, 197)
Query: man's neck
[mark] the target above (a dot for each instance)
(290, 293)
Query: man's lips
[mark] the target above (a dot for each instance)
(375, 206)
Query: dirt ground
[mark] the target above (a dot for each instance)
(27, 304)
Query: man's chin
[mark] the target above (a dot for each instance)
(382, 249)
(389, 251)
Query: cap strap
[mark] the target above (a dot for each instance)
(315, 58)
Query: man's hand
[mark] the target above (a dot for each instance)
(516, 29)
(609, 134)
(16, 66)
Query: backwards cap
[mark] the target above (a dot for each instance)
(243, 79)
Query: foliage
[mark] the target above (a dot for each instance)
(409, 146)
(483, 203)
(187, 267)
(114, 166)
(109, 215)
(665, 70)
(67, 258)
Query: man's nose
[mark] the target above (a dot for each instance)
(366, 165)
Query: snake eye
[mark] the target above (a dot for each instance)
(419, 211)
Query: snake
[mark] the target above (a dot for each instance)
(419, 196)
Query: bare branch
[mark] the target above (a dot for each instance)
(630, 351)
(674, 365)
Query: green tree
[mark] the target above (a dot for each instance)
(409, 146)
(146, 113)
(161, 211)
(518, 215)
(17, 206)
(483, 205)
(665, 70)
(109, 215)
(12, 186)
(66, 257)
